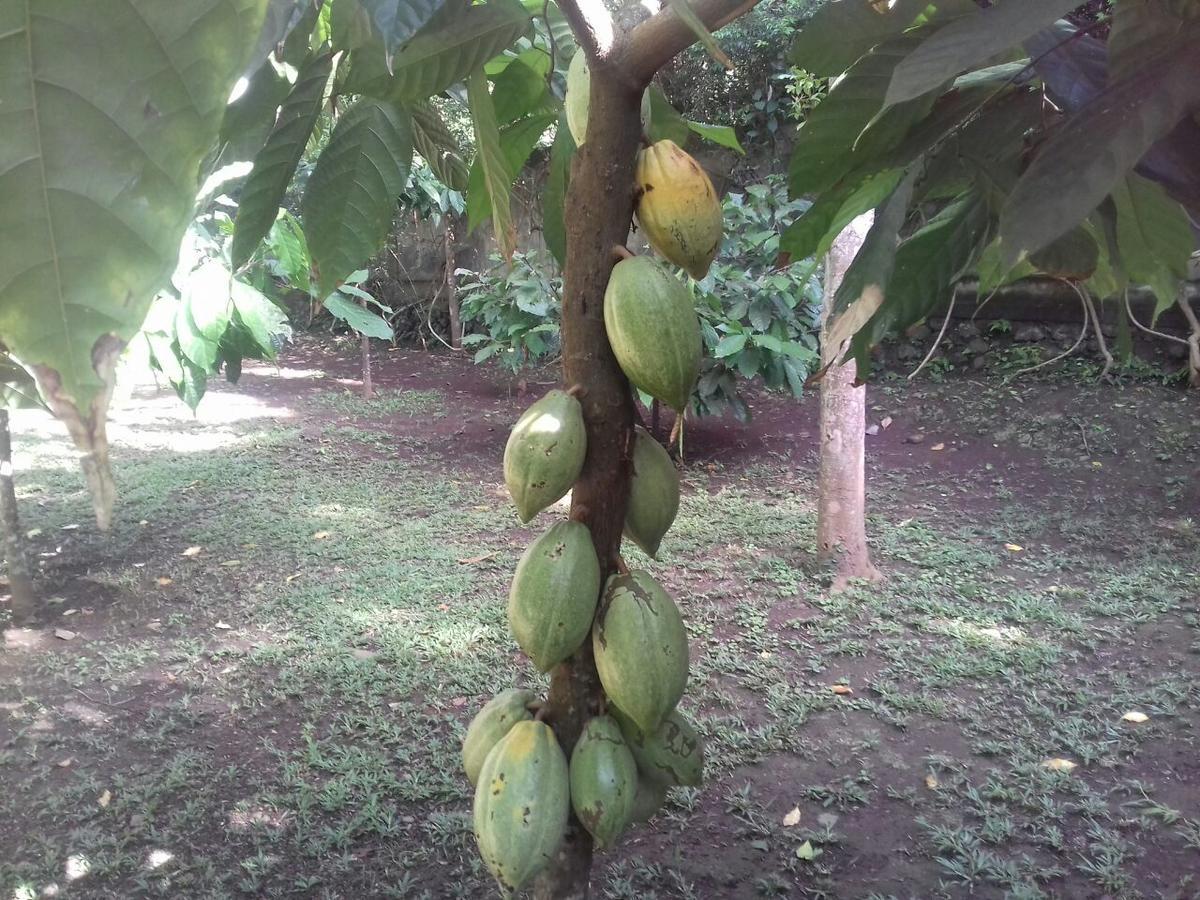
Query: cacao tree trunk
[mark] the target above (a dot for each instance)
(20, 585)
(451, 293)
(600, 197)
(841, 488)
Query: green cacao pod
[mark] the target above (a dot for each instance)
(579, 89)
(653, 329)
(554, 594)
(544, 453)
(678, 208)
(604, 780)
(641, 649)
(521, 804)
(490, 724)
(671, 755)
(653, 493)
(650, 797)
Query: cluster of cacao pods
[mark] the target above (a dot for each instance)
(637, 745)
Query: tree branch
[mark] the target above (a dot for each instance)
(592, 25)
(654, 42)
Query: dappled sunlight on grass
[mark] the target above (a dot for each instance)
(984, 635)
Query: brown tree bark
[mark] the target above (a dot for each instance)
(600, 209)
(841, 488)
(20, 584)
(451, 293)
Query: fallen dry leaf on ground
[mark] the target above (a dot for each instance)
(793, 818)
(1137, 718)
(841, 689)
(192, 551)
(1058, 764)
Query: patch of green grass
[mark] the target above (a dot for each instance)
(301, 697)
(385, 402)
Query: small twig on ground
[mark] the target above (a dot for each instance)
(92, 699)
(1083, 437)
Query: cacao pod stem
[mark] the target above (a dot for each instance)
(620, 251)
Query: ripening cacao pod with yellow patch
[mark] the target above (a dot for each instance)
(522, 801)
(490, 725)
(678, 209)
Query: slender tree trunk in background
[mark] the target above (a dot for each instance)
(451, 293)
(368, 388)
(20, 585)
(841, 489)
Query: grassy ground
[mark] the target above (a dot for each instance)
(276, 652)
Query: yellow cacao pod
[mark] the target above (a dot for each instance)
(678, 209)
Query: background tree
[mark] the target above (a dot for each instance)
(963, 126)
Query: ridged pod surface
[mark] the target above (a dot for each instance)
(521, 804)
(672, 754)
(604, 778)
(554, 594)
(641, 649)
(678, 208)
(653, 328)
(579, 87)
(544, 454)
(653, 493)
(491, 724)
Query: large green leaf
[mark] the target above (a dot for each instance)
(968, 41)
(492, 163)
(723, 135)
(876, 258)
(828, 143)
(203, 314)
(350, 25)
(276, 163)
(554, 226)
(519, 91)
(813, 233)
(359, 318)
(666, 124)
(106, 110)
(927, 266)
(398, 20)
(351, 196)
(842, 31)
(248, 119)
(1154, 238)
(516, 144)
(446, 51)
(438, 146)
(1085, 157)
